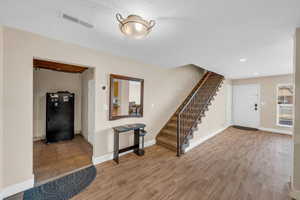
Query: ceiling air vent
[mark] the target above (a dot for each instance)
(76, 20)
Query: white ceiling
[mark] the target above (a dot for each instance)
(214, 34)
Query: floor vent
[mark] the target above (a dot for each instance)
(76, 20)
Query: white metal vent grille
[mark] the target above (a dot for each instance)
(76, 20)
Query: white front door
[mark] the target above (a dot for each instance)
(246, 105)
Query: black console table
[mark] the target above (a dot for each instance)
(136, 146)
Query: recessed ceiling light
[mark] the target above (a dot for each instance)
(243, 59)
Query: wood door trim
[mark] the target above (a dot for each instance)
(56, 66)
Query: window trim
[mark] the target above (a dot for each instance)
(277, 105)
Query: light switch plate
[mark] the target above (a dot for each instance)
(105, 107)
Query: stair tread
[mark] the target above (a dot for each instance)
(168, 140)
(172, 124)
(167, 146)
(171, 132)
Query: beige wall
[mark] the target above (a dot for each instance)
(18, 107)
(52, 81)
(216, 118)
(164, 90)
(296, 162)
(1, 108)
(268, 92)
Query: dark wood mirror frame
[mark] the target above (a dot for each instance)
(115, 76)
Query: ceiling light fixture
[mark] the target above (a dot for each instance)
(135, 26)
(243, 59)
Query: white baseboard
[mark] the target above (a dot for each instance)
(150, 143)
(276, 130)
(17, 188)
(101, 159)
(295, 194)
(109, 156)
(35, 139)
(194, 144)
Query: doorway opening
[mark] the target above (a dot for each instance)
(63, 119)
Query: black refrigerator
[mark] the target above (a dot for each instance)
(59, 116)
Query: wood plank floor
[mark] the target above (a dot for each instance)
(52, 160)
(234, 165)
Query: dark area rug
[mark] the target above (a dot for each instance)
(63, 188)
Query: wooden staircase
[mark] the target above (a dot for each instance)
(177, 132)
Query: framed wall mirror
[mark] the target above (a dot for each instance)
(126, 97)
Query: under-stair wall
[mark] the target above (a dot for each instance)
(178, 132)
(217, 118)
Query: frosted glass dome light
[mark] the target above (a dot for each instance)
(135, 26)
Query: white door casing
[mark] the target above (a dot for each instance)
(91, 111)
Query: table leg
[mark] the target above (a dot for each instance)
(137, 151)
(116, 147)
(137, 140)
